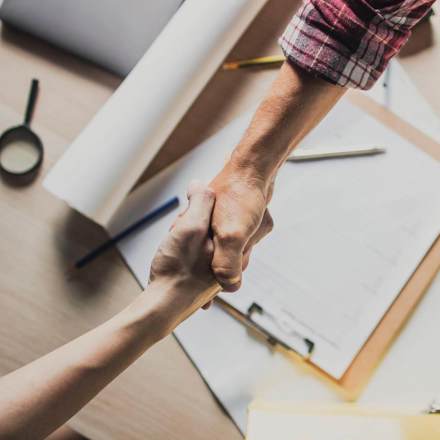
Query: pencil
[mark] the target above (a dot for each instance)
(148, 218)
(300, 156)
(253, 62)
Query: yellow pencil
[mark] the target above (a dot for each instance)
(233, 65)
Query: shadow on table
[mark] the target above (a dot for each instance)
(75, 237)
(74, 64)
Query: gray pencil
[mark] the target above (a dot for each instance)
(310, 154)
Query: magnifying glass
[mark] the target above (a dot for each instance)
(21, 150)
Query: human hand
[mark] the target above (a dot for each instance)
(181, 267)
(240, 220)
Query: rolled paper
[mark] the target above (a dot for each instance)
(101, 166)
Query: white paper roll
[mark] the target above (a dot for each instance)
(104, 162)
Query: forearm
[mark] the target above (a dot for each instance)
(43, 395)
(295, 103)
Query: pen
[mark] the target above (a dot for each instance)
(310, 154)
(148, 218)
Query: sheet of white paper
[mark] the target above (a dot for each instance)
(293, 422)
(402, 98)
(110, 33)
(381, 216)
(198, 333)
(342, 249)
(102, 165)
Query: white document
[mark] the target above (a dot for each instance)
(343, 247)
(348, 235)
(282, 421)
(395, 91)
(372, 191)
(102, 165)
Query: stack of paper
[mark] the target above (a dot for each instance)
(293, 422)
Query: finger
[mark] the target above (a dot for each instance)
(265, 228)
(192, 184)
(227, 261)
(246, 258)
(179, 216)
(270, 191)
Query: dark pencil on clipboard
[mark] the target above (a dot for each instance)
(145, 220)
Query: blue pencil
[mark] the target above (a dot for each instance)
(148, 218)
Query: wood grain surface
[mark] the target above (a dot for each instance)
(161, 396)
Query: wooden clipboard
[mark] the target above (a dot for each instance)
(363, 366)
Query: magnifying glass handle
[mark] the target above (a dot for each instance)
(31, 102)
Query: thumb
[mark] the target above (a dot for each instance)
(200, 205)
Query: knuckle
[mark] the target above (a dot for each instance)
(266, 223)
(224, 273)
(208, 193)
(227, 278)
(198, 230)
(231, 238)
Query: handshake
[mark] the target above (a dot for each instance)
(210, 243)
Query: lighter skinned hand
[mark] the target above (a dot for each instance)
(183, 262)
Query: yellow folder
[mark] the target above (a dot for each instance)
(281, 421)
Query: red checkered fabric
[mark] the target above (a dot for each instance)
(350, 42)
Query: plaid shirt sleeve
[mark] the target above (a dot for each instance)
(350, 42)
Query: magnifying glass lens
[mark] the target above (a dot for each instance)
(19, 156)
(21, 150)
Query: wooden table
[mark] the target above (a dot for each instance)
(161, 396)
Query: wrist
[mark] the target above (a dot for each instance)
(250, 162)
(150, 313)
(248, 165)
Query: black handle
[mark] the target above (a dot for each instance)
(31, 102)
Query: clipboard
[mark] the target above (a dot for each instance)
(356, 377)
